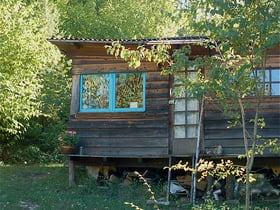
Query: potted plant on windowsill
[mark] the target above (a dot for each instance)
(68, 141)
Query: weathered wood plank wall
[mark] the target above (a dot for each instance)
(140, 134)
(132, 134)
(231, 139)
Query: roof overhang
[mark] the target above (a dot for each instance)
(78, 47)
(147, 41)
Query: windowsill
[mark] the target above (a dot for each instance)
(115, 111)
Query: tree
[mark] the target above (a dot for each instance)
(120, 19)
(35, 82)
(239, 33)
(25, 54)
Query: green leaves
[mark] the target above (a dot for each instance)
(157, 54)
(120, 20)
(205, 168)
(24, 54)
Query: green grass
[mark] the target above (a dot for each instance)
(46, 187)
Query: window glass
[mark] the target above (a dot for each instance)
(263, 74)
(180, 105)
(275, 75)
(275, 89)
(192, 104)
(180, 118)
(95, 91)
(191, 131)
(179, 132)
(129, 90)
(178, 78)
(112, 92)
(192, 118)
(271, 82)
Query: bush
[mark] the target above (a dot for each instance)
(38, 145)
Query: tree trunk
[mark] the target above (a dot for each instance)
(246, 145)
(250, 154)
(194, 176)
(5, 156)
(247, 189)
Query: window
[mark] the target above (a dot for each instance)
(271, 81)
(112, 92)
(186, 108)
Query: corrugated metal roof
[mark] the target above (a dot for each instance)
(144, 41)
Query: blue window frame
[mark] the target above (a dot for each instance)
(113, 92)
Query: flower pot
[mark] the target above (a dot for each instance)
(67, 150)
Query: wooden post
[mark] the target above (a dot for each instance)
(75, 94)
(209, 189)
(71, 172)
(196, 156)
(168, 179)
(230, 187)
(193, 182)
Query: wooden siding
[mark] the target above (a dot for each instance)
(126, 134)
(273, 60)
(148, 134)
(231, 139)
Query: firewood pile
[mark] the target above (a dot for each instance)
(186, 182)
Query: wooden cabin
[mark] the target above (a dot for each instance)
(129, 118)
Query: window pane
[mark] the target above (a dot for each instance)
(179, 92)
(179, 132)
(192, 118)
(263, 74)
(192, 104)
(178, 78)
(180, 105)
(180, 118)
(129, 90)
(275, 75)
(191, 131)
(192, 75)
(267, 90)
(275, 89)
(95, 91)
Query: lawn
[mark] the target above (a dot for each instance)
(46, 187)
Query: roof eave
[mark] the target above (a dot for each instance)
(152, 41)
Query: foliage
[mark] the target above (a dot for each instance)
(117, 19)
(25, 53)
(35, 82)
(43, 130)
(68, 137)
(209, 168)
(158, 54)
(209, 205)
(149, 190)
(238, 35)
